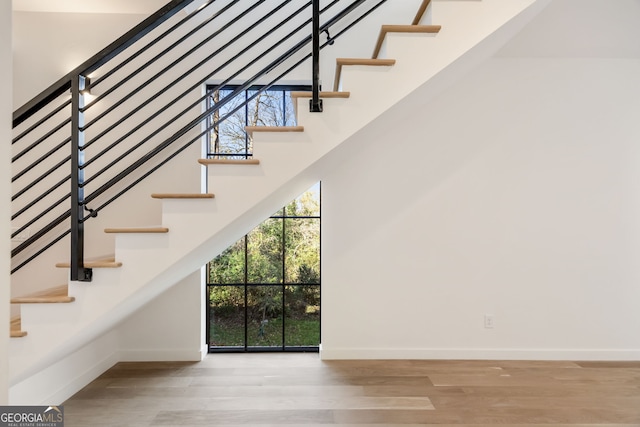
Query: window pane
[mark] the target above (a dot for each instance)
(227, 138)
(264, 311)
(226, 316)
(267, 108)
(230, 134)
(289, 113)
(302, 316)
(302, 250)
(228, 267)
(264, 262)
(308, 204)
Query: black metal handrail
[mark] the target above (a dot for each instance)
(72, 116)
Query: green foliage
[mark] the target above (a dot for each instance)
(264, 256)
(298, 332)
(229, 266)
(264, 262)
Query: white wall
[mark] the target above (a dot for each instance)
(169, 328)
(515, 194)
(5, 190)
(95, 6)
(49, 45)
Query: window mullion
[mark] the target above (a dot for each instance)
(284, 272)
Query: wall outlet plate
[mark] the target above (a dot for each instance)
(489, 321)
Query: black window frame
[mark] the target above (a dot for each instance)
(247, 154)
(280, 215)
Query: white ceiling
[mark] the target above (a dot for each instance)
(90, 6)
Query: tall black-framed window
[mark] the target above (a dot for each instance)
(264, 291)
(252, 107)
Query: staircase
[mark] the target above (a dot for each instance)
(151, 259)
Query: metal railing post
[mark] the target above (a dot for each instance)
(315, 104)
(78, 273)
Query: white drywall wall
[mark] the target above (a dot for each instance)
(5, 191)
(169, 328)
(81, 6)
(513, 194)
(49, 45)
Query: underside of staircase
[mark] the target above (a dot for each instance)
(286, 161)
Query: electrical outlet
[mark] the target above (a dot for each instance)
(489, 321)
(22, 236)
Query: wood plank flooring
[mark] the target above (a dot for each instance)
(300, 390)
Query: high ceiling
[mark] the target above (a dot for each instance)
(90, 6)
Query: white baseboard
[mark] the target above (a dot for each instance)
(57, 383)
(79, 382)
(162, 355)
(50, 387)
(480, 354)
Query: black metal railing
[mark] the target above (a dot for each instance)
(132, 108)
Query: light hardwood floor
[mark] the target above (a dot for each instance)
(300, 390)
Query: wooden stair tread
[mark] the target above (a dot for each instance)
(42, 300)
(374, 62)
(59, 294)
(182, 196)
(229, 162)
(421, 10)
(308, 94)
(130, 230)
(92, 264)
(421, 29)
(16, 323)
(251, 129)
(366, 61)
(16, 328)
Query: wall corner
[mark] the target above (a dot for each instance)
(6, 77)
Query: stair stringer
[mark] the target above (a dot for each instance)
(290, 163)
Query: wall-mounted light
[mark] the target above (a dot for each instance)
(85, 83)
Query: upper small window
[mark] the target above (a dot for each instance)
(252, 107)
